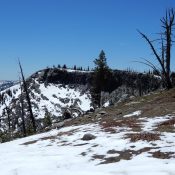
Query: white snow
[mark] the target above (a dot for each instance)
(136, 113)
(63, 152)
(54, 92)
(150, 123)
(54, 96)
(72, 70)
(106, 104)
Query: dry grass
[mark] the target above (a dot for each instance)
(48, 138)
(168, 122)
(145, 136)
(162, 155)
(110, 130)
(123, 155)
(166, 126)
(67, 133)
(96, 156)
(109, 124)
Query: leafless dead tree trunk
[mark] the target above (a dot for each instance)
(9, 120)
(22, 111)
(164, 59)
(28, 98)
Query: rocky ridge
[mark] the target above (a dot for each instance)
(58, 94)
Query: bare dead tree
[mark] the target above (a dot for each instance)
(27, 98)
(8, 118)
(164, 58)
(22, 110)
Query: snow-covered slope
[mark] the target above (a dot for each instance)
(4, 84)
(64, 152)
(51, 99)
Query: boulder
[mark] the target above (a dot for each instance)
(88, 137)
(57, 125)
(102, 113)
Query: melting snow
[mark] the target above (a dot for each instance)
(106, 104)
(52, 98)
(150, 123)
(136, 113)
(63, 152)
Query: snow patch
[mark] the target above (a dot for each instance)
(136, 113)
(63, 152)
(106, 104)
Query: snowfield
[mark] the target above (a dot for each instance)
(54, 98)
(63, 152)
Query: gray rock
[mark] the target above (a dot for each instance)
(87, 116)
(98, 115)
(88, 136)
(57, 125)
(102, 112)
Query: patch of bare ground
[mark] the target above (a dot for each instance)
(86, 119)
(95, 145)
(97, 156)
(64, 143)
(144, 136)
(52, 138)
(110, 124)
(82, 144)
(158, 103)
(110, 130)
(122, 155)
(162, 155)
(83, 154)
(48, 138)
(166, 126)
(29, 142)
(67, 133)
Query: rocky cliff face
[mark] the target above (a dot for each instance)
(129, 84)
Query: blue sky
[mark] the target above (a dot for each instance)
(50, 32)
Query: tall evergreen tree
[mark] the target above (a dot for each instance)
(64, 66)
(101, 78)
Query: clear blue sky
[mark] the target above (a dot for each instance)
(50, 32)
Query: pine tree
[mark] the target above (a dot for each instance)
(101, 78)
(64, 66)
